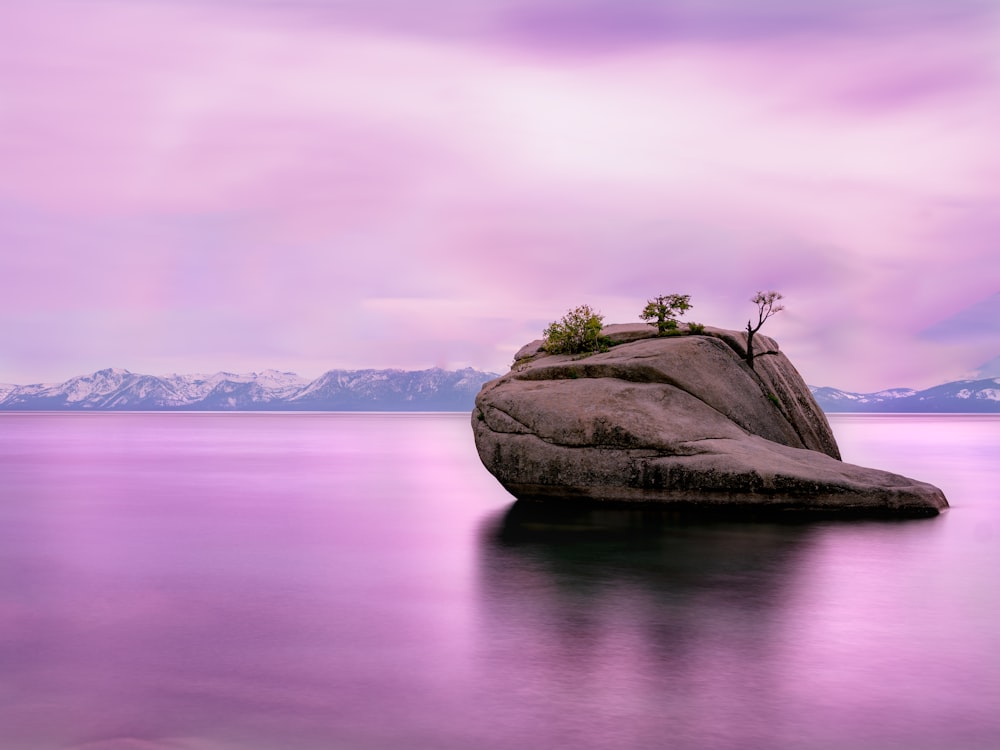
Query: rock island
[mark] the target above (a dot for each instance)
(681, 421)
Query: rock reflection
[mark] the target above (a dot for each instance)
(635, 625)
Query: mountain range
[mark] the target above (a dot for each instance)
(392, 390)
(270, 390)
(969, 396)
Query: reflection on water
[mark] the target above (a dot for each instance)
(638, 625)
(641, 625)
(360, 582)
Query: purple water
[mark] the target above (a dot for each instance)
(335, 581)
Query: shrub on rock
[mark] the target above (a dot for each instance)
(578, 332)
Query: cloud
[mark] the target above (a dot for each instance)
(977, 321)
(615, 26)
(611, 26)
(388, 187)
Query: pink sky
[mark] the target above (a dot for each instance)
(308, 185)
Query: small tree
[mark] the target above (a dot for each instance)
(664, 310)
(766, 307)
(579, 331)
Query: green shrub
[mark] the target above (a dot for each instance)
(579, 331)
(696, 328)
(661, 311)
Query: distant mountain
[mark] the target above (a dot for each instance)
(391, 390)
(961, 396)
(337, 390)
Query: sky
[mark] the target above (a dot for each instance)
(195, 186)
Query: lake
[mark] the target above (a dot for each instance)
(360, 582)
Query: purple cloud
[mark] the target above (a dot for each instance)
(614, 25)
(197, 187)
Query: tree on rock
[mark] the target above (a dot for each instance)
(766, 307)
(664, 310)
(579, 331)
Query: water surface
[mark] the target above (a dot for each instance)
(324, 581)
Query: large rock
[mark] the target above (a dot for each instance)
(678, 420)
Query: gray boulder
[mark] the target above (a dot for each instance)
(681, 421)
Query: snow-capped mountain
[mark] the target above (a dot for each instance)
(337, 390)
(959, 396)
(392, 390)
(436, 390)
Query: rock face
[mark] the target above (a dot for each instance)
(681, 421)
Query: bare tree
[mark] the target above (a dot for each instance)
(766, 307)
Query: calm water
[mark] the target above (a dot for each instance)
(294, 582)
